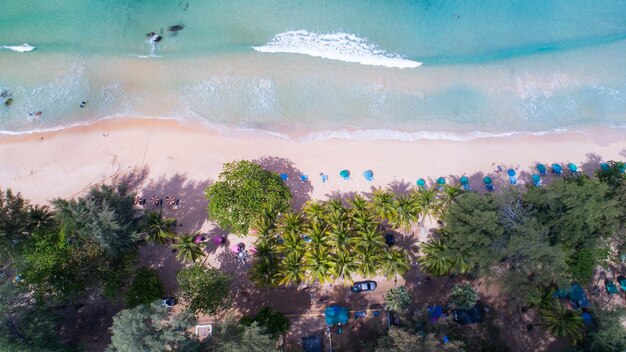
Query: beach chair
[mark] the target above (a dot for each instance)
(284, 177)
(360, 314)
(324, 177)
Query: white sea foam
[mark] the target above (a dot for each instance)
(334, 46)
(19, 48)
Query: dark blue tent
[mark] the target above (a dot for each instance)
(312, 343)
(469, 316)
(434, 313)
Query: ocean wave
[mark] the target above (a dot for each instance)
(334, 46)
(19, 48)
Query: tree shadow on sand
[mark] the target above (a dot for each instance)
(191, 212)
(300, 190)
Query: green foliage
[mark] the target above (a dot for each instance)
(146, 288)
(14, 221)
(614, 177)
(188, 249)
(609, 334)
(204, 289)
(105, 216)
(116, 273)
(157, 228)
(397, 299)
(241, 194)
(273, 322)
(561, 321)
(149, 328)
(435, 259)
(581, 265)
(402, 340)
(25, 326)
(233, 337)
(463, 296)
(472, 229)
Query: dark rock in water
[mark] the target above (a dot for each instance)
(8, 101)
(176, 28)
(157, 38)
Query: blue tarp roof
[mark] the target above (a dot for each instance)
(336, 314)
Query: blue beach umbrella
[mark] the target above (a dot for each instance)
(284, 177)
(421, 183)
(488, 183)
(368, 174)
(542, 169)
(605, 167)
(441, 181)
(345, 174)
(557, 169)
(621, 167)
(572, 168)
(512, 177)
(465, 183)
(536, 180)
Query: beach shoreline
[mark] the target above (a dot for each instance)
(62, 163)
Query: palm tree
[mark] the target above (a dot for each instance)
(343, 266)
(318, 265)
(187, 248)
(316, 232)
(434, 259)
(406, 212)
(291, 223)
(364, 222)
(368, 258)
(40, 216)
(291, 270)
(159, 229)
(264, 270)
(447, 197)
(427, 202)
(314, 211)
(358, 204)
(292, 242)
(561, 321)
(394, 262)
(341, 238)
(371, 238)
(266, 222)
(383, 205)
(542, 298)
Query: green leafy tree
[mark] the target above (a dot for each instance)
(394, 262)
(406, 212)
(146, 288)
(397, 299)
(151, 328)
(561, 321)
(609, 334)
(106, 216)
(463, 296)
(472, 230)
(14, 221)
(614, 176)
(243, 190)
(233, 337)
(157, 228)
(204, 289)
(187, 248)
(275, 323)
(398, 339)
(26, 326)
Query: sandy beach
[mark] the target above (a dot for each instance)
(61, 164)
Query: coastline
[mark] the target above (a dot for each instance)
(62, 163)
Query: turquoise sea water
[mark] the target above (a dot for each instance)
(353, 69)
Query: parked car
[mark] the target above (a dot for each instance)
(168, 302)
(362, 286)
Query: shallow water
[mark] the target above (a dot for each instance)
(293, 66)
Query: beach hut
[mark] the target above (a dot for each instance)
(512, 176)
(421, 183)
(465, 183)
(345, 174)
(557, 169)
(369, 175)
(536, 180)
(573, 169)
(488, 183)
(542, 169)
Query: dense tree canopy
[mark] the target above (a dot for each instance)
(241, 194)
(150, 328)
(273, 322)
(397, 299)
(233, 337)
(204, 289)
(398, 339)
(145, 289)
